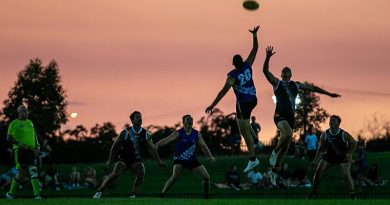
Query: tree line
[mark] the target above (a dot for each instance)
(40, 88)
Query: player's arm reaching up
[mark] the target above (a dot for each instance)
(270, 77)
(316, 89)
(255, 47)
(205, 149)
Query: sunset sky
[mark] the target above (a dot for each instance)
(167, 58)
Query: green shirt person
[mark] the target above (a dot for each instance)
(22, 135)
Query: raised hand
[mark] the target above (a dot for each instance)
(269, 51)
(255, 29)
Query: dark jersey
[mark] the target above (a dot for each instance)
(336, 145)
(244, 88)
(134, 143)
(185, 145)
(285, 93)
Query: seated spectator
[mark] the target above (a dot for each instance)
(74, 177)
(232, 178)
(299, 178)
(51, 178)
(267, 180)
(284, 176)
(6, 177)
(255, 178)
(373, 176)
(90, 177)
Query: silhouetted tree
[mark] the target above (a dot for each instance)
(309, 112)
(214, 129)
(39, 87)
(79, 132)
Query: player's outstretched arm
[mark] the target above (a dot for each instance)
(316, 89)
(205, 149)
(228, 84)
(270, 77)
(255, 47)
(167, 140)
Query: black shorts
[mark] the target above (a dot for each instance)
(188, 164)
(129, 161)
(25, 158)
(244, 109)
(335, 159)
(288, 116)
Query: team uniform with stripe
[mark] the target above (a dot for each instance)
(185, 149)
(245, 91)
(133, 145)
(336, 147)
(285, 93)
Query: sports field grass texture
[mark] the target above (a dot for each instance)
(189, 186)
(148, 201)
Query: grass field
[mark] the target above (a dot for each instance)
(147, 201)
(189, 186)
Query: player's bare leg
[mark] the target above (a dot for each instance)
(346, 172)
(204, 175)
(321, 167)
(245, 131)
(119, 168)
(138, 169)
(177, 169)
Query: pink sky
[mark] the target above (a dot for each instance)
(169, 58)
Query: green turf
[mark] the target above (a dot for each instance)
(147, 201)
(190, 186)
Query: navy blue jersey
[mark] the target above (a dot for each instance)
(134, 143)
(336, 144)
(185, 145)
(285, 93)
(244, 88)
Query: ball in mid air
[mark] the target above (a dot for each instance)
(250, 5)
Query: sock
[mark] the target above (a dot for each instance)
(35, 185)
(15, 183)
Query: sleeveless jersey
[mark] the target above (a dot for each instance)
(244, 88)
(335, 144)
(185, 145)
(134, 143)
(285, 93)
